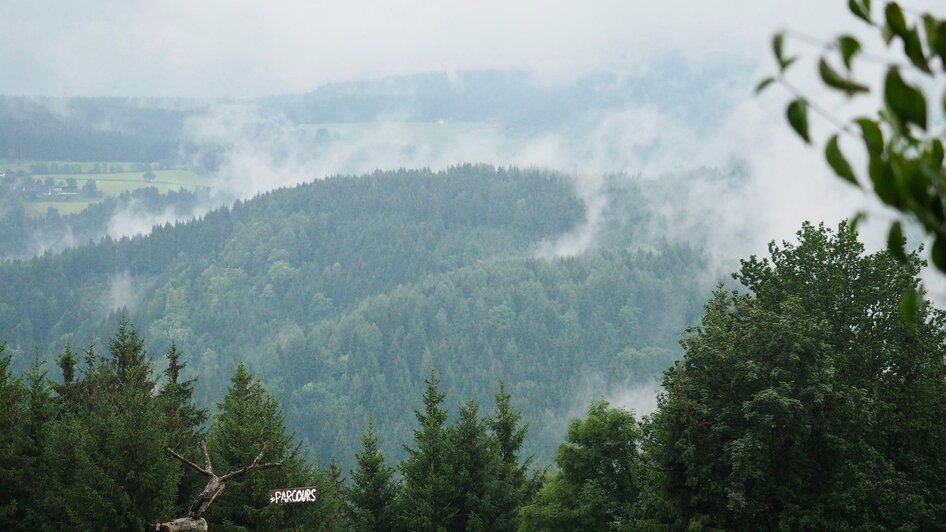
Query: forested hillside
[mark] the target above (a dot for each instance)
(26, 236)
(786, 412)
(91, 129)
(342, 294)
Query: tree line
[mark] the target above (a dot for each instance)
(803, 401)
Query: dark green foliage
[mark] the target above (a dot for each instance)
(371, 497)
(34, 131)
(91, 454)
(427, 502)
(808, 403)
(540, 325)
(468, 475)
(474, 463)
(248, 418)
(27, 236)
(341, 294)
(516, 484)
(597, 486)
(184, 425)
(105, 457)
(14, 464)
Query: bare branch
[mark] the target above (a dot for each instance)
(249, 469)
(207, 464)
(199, 469)
(260, 455)
(213, 489)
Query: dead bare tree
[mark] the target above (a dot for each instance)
(194, 520)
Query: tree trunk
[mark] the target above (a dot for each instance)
(182, 524)
(215, 485)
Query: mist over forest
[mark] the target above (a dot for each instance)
(473, 267)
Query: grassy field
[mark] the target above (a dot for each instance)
(115, 184)
(111, 184)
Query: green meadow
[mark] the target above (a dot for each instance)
(110, 184)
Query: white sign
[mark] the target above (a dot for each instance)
(292, 495)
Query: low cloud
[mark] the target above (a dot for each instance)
(780, 182)
(122, 293)
(134, 218)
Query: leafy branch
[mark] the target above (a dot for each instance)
(905, 156)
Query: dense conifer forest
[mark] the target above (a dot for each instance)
(785, 411)
(343, 293)
(472, 266)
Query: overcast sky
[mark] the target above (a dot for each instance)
(226, 48)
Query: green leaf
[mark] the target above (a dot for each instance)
(797, 114)
(895, 19)
(940, 47)
(930, 27)
(849, 47)
(873, 138)
(895, 243)
(838, 163)
(778, 47)
(939, 212)
(835, 81)
(936, 153)
(910, 306)
(885, 184)
(856, 220)
(905, 101)
(912, 181)
(938, 253)
(861, 9)
(910, 37)
(763, 84)
(914, 50)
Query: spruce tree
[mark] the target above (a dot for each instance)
(41, 411)
(248, 418)
(184, 424)
(105, 450)
(371, 498)
(427, 492)
(14, 487)
(129, 358)
(516, 486)
(475, 465)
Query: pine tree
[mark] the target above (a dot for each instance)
(184, 424)
(248, 418)
(129, 358)
(516, 485)
(475, 465)
(15, 483)
(105, 450)
(41, 411)
(371, 498)
(427, 495)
